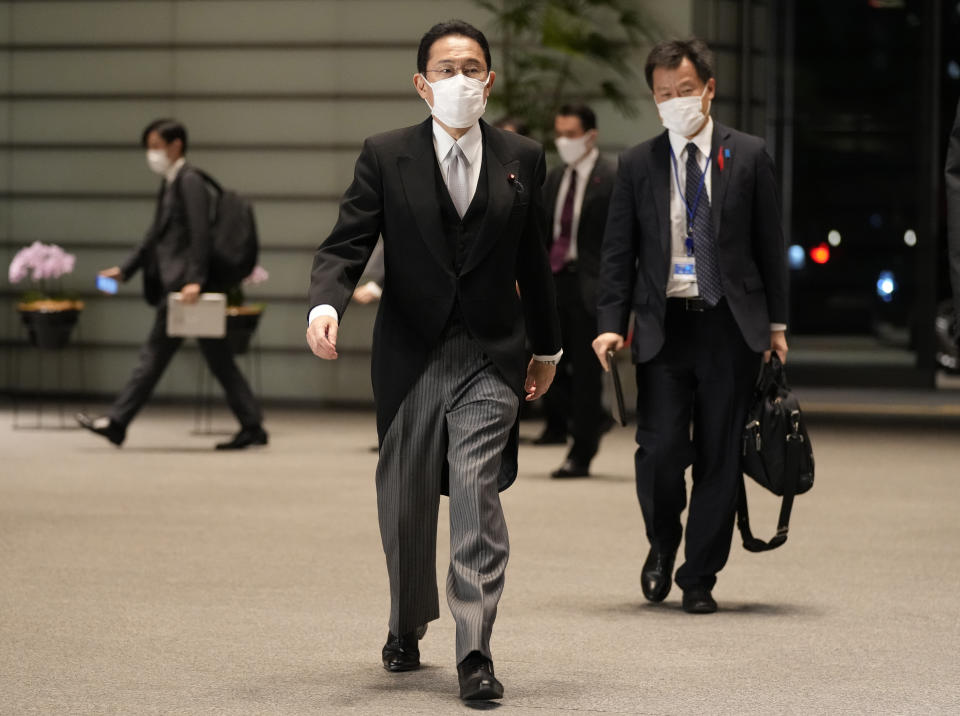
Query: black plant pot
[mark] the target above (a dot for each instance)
(240, 328)
(49, 330)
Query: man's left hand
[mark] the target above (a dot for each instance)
(190, 293)
(778, 343)
(539, 377)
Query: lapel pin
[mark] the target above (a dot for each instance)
(721, 153)
(512, 178)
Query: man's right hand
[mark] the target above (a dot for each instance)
(113, 272)
(606, 342)
(322, 337)
(367, 293)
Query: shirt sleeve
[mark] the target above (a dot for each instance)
(549, 359)
(323, 310)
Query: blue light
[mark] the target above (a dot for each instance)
(886, 286)
(797, 257)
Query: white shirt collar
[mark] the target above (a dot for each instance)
(586, 164)
(174, 169)
(703, 139)
(470, 143)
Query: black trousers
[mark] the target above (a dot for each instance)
(154, 358)
(704, 376)
(573, 404)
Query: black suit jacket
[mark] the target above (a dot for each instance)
(593, 220)
(176, 248)
(746, 219)
(394, 194)
(953, 209)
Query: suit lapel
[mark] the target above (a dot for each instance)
(164, 207)
(594, 183)
(551, 192)
(719, 172)
(501, 193)
(418, 174)
(662, 174)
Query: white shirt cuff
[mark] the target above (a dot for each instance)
(549, 359)
(778, 326)
(323, 310)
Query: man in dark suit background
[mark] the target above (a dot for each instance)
(577, 196)
(953, 210)
(694, 248)
(460, 209)
(174, 256)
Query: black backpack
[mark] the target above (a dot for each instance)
(233, 231)
(776, 451)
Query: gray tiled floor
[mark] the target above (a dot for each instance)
(166, 578)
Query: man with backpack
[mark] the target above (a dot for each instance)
(178, 254)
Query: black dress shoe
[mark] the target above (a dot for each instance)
(572, 468)
(402, 653)
(112, 431)
(698, 601)
(245, 438)
(656, 577)
(477, 682)
(550, 437)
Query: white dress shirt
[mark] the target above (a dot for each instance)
(471, 144)
(678, 212)
(584, 167)
(171, 174)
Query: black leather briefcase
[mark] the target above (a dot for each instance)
(776, 451)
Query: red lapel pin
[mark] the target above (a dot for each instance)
(720, 154)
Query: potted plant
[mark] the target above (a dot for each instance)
(48, 314)
(243, 318)
(552, 50)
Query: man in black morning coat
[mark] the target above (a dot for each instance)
(459, 206)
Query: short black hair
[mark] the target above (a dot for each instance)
(168, 129)
(670, 53)
(588, 119)
(450, 27)
(519, 126)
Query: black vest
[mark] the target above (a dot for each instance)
(462, 233)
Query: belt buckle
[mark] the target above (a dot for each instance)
(697, 305)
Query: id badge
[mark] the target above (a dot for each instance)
(684, 269)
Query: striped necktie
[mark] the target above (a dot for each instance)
(701, 229)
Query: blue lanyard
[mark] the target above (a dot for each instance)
(691, 211)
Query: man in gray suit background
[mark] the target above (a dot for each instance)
(460, 209)
(175, 256)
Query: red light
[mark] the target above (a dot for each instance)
(820, 254)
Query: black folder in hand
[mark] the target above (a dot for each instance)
(617, 387)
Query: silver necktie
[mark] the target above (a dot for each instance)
(457, 183)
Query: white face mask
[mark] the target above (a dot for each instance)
(683, 115)
(572, 150)
(158, 161)
(458, 102)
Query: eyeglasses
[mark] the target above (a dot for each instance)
(472, 72)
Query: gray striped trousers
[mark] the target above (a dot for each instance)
(460, 411)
